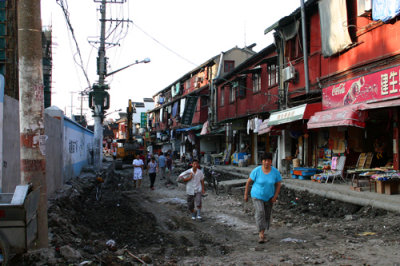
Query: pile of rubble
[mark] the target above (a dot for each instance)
(86, 231)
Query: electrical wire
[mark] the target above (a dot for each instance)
(64, 6)
(163, 45)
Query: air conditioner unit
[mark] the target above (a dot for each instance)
(364, 8)
(288, 73)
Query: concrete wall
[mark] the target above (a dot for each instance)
(77, 148)
(67, 147)
(11, 146)
(54, 153)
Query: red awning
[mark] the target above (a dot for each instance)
(351, 115)
(383, 104)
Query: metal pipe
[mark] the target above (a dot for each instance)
(305, 56)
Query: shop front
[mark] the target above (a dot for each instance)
(268, 140)
(360, 121)
(188, 141)
(294, 140)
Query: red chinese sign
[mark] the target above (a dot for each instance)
(372, 87)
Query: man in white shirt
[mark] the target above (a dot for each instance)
(194, 188)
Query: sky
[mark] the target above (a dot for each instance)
(177, 36)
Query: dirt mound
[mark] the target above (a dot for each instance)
(96, 231)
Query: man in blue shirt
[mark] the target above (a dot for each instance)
(162, 163)
(266, 184)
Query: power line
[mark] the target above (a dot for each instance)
(64, 7)
(163, 45)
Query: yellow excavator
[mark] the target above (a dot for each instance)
(128, 148)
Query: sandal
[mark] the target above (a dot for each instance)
(261, 240)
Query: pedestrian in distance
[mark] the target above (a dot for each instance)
(152, 167)
(266, 185)
(162, 164)
(169, 170)
(194, 179)
(137, 171)
(195, 154)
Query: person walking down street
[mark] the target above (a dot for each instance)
(169, 170)
(162, 163)
(266, 185)
(152, 169)
(137, 171)
(195, 154)
(194, 188)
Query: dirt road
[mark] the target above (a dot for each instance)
(155, 226)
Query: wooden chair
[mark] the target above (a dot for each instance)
(361, 160)
(363, 163)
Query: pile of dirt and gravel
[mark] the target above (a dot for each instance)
(107, 231)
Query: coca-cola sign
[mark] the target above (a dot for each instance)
(372, 87)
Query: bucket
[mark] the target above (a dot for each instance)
(296, 163)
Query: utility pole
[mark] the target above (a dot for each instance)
(31, 108)
(99, 99)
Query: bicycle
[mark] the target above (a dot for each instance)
(212, 177)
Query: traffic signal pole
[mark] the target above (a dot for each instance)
(99, 99)
(31, 108)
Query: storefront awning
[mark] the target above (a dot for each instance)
(383, 104)
(189, 128)
(304, 111)
(264, 128)
(350, 115)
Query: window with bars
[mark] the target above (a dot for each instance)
(272, 72)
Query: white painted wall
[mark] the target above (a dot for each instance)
(78, 148)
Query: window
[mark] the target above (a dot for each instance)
(187, 84)
(222, 96)
(232, 94)
(272, 75)
(204, 101)
(229, 65)
(256, 82)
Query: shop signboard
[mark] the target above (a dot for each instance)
(373, 87)
(288, 115)
(143, 120)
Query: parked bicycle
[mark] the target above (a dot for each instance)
(212, 177)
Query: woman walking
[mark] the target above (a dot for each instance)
(266, 182)
(152, 169)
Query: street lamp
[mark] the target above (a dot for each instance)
(106, 114)
(146, 60)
